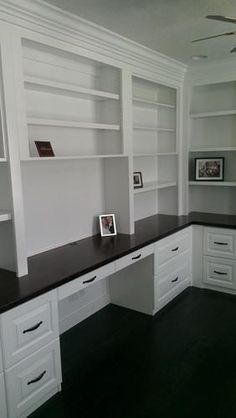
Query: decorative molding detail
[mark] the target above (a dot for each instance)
(43, 18)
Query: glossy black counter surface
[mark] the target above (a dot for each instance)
(53, 268)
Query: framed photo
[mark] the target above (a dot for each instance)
(44, 148)
(207, 169)
(107, 225)
(137, 178)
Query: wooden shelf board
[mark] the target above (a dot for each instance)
(70, 124)
(213, 183)
(76, 157)
(213, 114)
(155, 186)
(3, 160)
(153, 103)
(69, 89)
(220, 149)
(4, 216)
(158, 154)
(153, 128)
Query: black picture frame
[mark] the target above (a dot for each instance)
(137, 179)
(209, 169)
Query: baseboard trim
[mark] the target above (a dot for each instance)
(76, 317)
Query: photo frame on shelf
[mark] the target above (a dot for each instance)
(209, 169)
(44, 148)
(137, 179)
(107, 225)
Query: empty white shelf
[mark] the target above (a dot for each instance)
(213, 114)
(71, 124)
(153, 128)
(213, 183)
(152, 103)
(158, 154)
(68, 89)
(4, 216)
(212, 149)
(147, 187)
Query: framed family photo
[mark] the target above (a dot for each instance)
(137, 179)
(107, 225)
(209, 169)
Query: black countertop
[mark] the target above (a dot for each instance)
(53, 268)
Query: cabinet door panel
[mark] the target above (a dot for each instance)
(3, 409)
(28, 327)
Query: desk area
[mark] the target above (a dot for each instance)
(147, 270)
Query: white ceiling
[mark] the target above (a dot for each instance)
(167, 26)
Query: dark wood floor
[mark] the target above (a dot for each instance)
(122, 364)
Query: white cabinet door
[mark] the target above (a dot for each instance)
(32, 381)
(3, 408)
(29, 327)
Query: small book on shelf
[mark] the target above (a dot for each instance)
(44, 148)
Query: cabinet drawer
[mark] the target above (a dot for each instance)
(28, 327)
(219, 272)
(3, 407)
(220, 242)
(84, 281)
(134, 257)
(29, 382)
(172, 276)
(168, 248)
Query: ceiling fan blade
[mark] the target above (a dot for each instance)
(233, 50)
(215, 36)
(222, 18)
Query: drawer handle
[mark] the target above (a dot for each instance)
(33, 328)
(89, 280)
(37, 378)
(220, 272)
(221, 243)
(175, 280)
(136, 257)
(175, 249)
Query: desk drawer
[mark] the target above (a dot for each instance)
(219, 272)
(28, 327)
(169, 248)
(3, 407)
(29, 382)
(134, 257)
(84, 281)
(220, 242)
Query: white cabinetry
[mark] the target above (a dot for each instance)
(173, 266)
(212, 135)
(3, 407)
(155, 148)
(219, 259)
(31, 354)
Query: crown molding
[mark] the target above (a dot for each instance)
(44, 18)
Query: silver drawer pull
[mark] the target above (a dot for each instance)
(136, 257)
(220, 272)
(221, 243)
(175, 280)
(175, 249)
(37, 378)
(89, 280)
(33, 328)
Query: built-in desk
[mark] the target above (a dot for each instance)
(146, 270)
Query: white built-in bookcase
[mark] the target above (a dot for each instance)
(106, 112)
(212, 134)
(155, 148)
